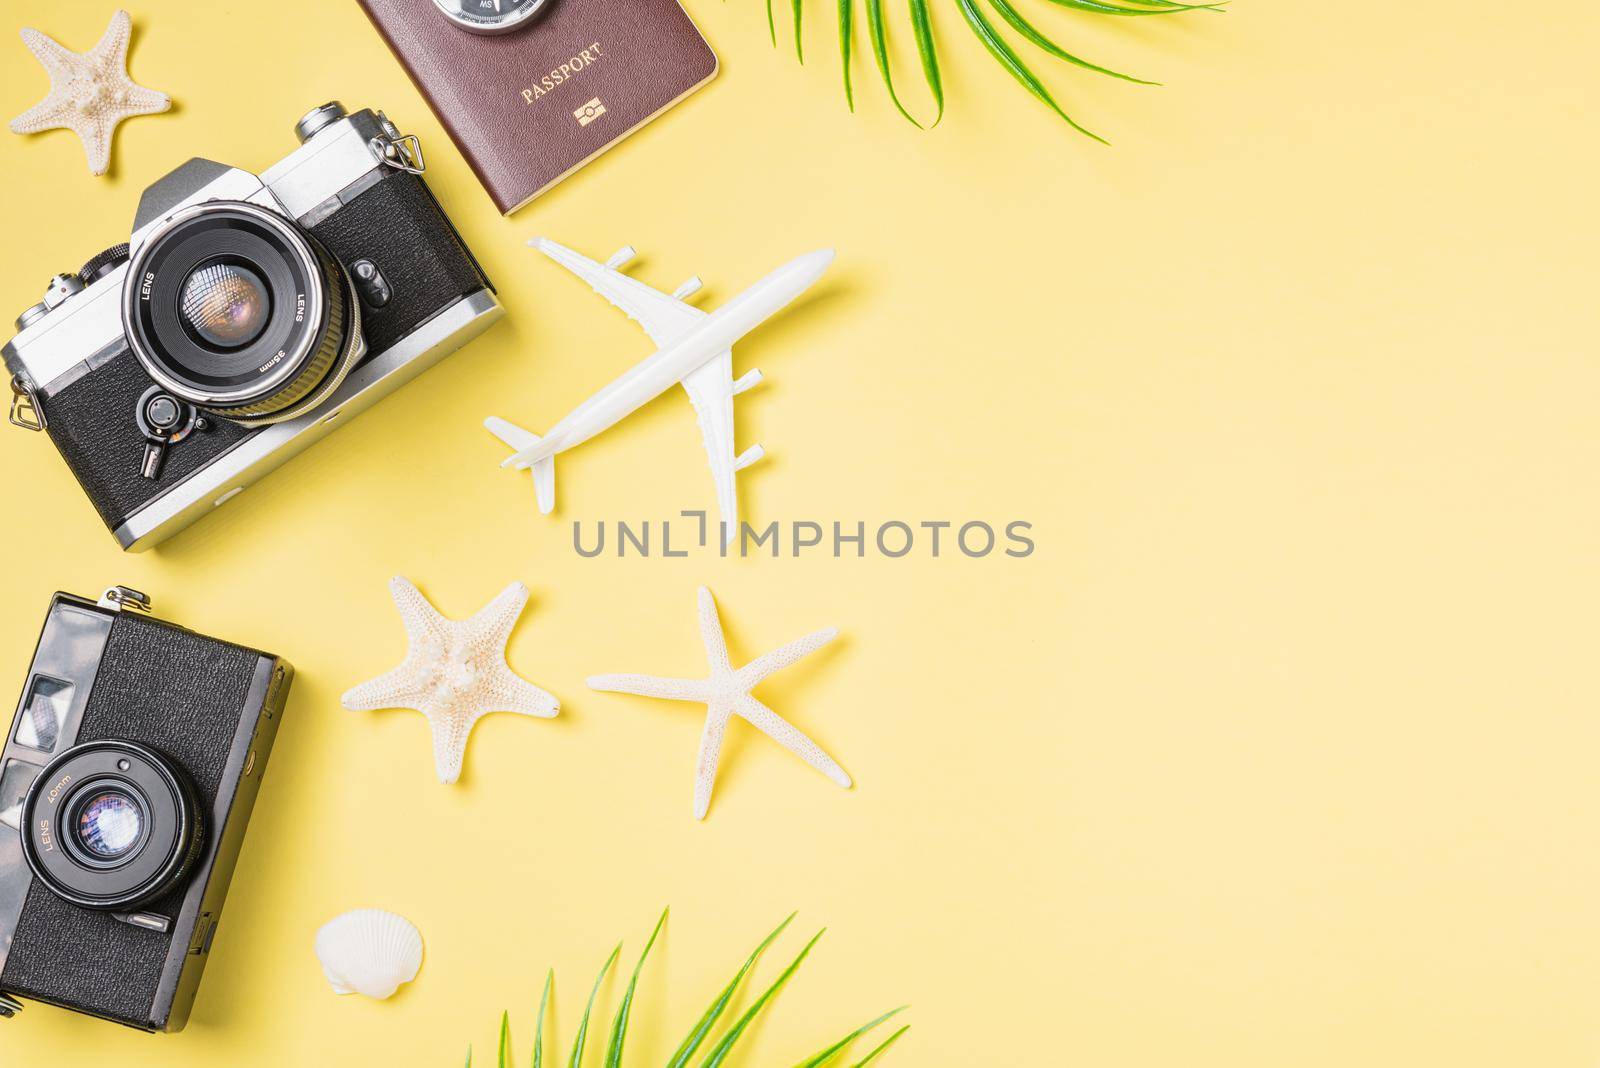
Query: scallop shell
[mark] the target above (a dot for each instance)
(369, 952)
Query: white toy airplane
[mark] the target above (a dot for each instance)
(695, 348)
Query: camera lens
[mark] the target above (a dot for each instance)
(236, 310)
(111, 825)
(226, 305)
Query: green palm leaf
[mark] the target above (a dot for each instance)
(583, 1024)
(538, 1032)
(847, 35)
(922, 26)
(1013, 63)
(1026, 28)
(817, 1060)
(619, 1027)
(1099, 8)
(925, 36)
(720, 1051)
(720, 1004)
(875, 1054)
(880, 49)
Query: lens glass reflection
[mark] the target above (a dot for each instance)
(109, 824)
(226, 305)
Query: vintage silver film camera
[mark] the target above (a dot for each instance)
(245, 315)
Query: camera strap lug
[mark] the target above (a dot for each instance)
(26, 410)
(401, 151)
(120, 597)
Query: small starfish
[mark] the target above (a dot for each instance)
(455, 672)
(90, 92)
(726, 693)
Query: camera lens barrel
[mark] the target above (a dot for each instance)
(238, 311)
(111, 825)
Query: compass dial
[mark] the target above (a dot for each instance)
(491, 16)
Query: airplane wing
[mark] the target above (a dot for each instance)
(711, 386)
(664, 317)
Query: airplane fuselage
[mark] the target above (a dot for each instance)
(653, 376)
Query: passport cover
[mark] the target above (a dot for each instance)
(528, 108)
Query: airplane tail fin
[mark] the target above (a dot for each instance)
(544, 471)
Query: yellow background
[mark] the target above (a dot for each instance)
(1281, 748)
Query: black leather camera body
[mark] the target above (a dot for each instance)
(127, 779)
(244, 316)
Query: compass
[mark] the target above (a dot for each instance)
(491, 16)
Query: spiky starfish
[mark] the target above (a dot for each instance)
(455, 672)
(726, 693)
(90, 92)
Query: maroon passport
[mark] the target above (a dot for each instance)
(529, 107)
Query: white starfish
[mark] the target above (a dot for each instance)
(726, 693)
(90, 92)
(455, 672)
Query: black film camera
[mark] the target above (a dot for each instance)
(126, 782)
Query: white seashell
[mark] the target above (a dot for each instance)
(369, 952)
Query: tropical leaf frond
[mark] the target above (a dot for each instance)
(1008, 58)
(619, 1027)
(720, 1051)
(919, 15)
(1100, 7)
(702, 1029)
(719, 1005)
(538, 1031)
(831, 1053)
(847, 40)
(1026, 28)
(881, 1050)
(880, 51)
(583, 1024)
(922, 26)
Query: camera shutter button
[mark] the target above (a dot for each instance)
(370, 283)
(317, 119)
